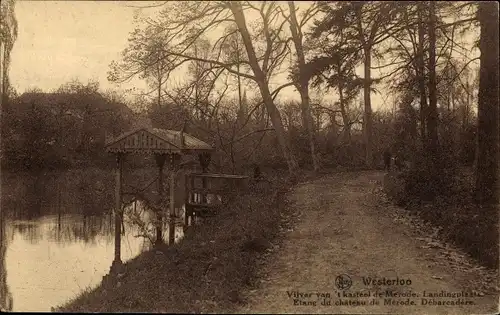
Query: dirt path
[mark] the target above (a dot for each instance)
(345, 229)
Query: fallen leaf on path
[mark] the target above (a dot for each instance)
(423, 239)
(435, 245)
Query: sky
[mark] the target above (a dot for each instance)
(63, 40)
(59, 41)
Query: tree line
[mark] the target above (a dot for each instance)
(422, 47)
(444, 113)
(60, 129)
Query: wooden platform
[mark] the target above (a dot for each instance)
(225, 186)
(202, 210)
(215, 175)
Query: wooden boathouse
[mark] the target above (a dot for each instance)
(167, 147)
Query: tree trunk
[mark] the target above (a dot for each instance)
(488, 108)
(421, 75)
(2, 75)
(303, 85)
(306, 111)
(159, 94)
(5, 72)
(467, 104)
(367, 121)
(273, 112)
(241, 113)
(318, 122)
(346, 133)
(432, 118)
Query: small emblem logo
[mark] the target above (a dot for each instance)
(343, 282)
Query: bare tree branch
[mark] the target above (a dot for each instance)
(148, 6)
(226, 66)
(277, 90)
(249, 134)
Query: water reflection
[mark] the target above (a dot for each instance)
(138, 215)
(49, 262)
(29, 196)
(57, 237)
(6, 300)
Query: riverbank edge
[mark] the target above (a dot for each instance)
(462, 222)
(210, 269)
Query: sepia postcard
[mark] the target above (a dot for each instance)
(337, 157)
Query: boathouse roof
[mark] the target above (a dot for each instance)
(155, 140)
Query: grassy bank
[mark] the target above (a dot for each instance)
(461, 221)
(207, 271)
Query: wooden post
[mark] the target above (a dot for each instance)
(187, 200)
(174, 162)
(160, 162)
(204, 162)
(117, 262)
(58, 206)
(192, 185)
(192, 198)
(171, 226)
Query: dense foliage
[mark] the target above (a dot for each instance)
(439, 117)
(67, 128)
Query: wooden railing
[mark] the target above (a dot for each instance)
(215, 190)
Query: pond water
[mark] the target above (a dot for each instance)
(51, 249)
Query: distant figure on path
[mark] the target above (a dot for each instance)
(256, 172)
(387, 159)
(398, 162)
